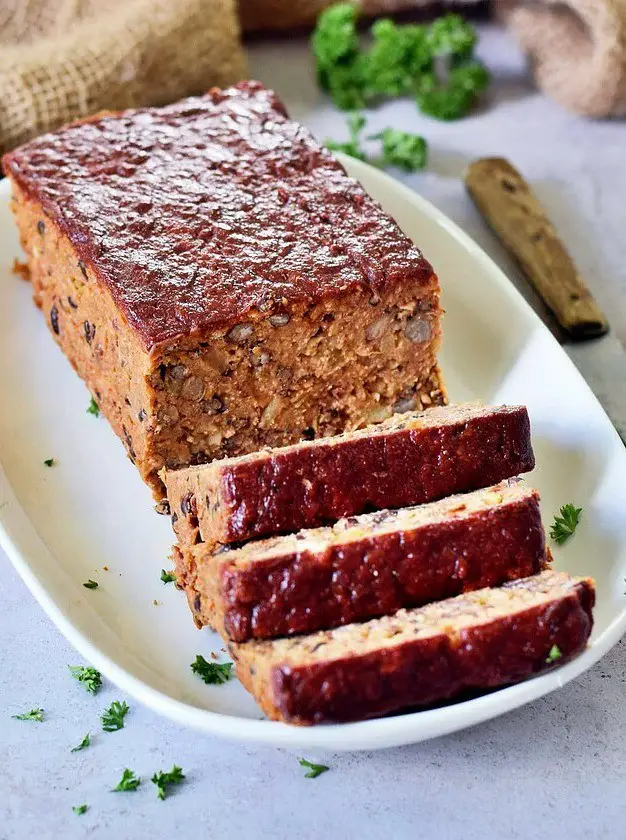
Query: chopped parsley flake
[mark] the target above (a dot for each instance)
(83, 744)
(34, 714)
(554, 655)
(164, 780)
(212, 673)
(49, 462)
(89, 677)
(564, 525)
(315, 770)
(93, 408)
(128, 782)
(91, 584)
(113, 717)
(79, 809)
(167, 577)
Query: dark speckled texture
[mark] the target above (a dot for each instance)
(199, 214)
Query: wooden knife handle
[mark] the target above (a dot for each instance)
(512, 210)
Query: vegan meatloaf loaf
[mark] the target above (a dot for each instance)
(477, 641)
(408, 460)
(218, 280)
(369, 565)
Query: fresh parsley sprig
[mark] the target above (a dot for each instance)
(165, 780)
(315, 770)
(89, 677)
(402, 149)
(435, 64)
(113, 717)
(127, 783)
(34, 714)
(212, 673)
(564, 525)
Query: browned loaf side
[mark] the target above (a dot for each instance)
(369, 565)
(410, 459)
(219, 282)
(477, 641)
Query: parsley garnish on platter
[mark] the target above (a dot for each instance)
(399, 148)
(83, 744)
(167, 577)
(315, 770)
(90, 584)
(34, 714)
(432, 63)
(79, 809)
(113, 717)
(212, 673)
(49, 462)
(564, 525)
(554, 655)
(402, 149)
(89, 677)
(164, 780)
(93, 408)
(128, 782)
(352, 147)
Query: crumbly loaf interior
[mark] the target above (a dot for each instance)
(451, 617)
(270, 381)
(354, 528)
(402, 419)
(274, 380)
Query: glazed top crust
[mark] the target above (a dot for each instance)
(215, 209)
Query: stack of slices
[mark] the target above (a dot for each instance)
(383, 569)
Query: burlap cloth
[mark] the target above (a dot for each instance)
(63, 59)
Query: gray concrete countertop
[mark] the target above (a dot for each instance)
(553, 769)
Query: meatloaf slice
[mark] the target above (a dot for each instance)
(410, 459)
(476, 641)
(218, 280)
(369, 565)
